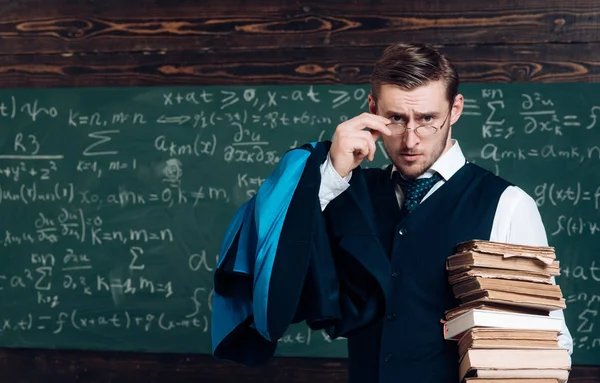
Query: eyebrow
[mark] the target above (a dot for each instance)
(418, 115)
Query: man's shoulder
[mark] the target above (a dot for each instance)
(512, 192)
(517, 196)
(483, 172)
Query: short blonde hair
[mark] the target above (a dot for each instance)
(412, 65)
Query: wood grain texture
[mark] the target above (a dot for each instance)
(49, 27)
(33, 366)
(495, 63)
(66, 43)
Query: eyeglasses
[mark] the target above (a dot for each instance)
(399, 129)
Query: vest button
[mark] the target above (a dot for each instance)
(387, 358)
(402, 231)
(395, 274)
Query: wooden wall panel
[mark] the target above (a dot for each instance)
(497, 63)
(66, 43)
(33, 27)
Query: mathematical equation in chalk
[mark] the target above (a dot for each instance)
(585, 333)
(550, 192)
(115, 203)
(123, 321)
(34, 193)
(536, 113)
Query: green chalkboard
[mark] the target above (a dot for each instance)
(113, 200)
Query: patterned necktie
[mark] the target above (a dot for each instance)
(414, 190)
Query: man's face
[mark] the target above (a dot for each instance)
(411, 153)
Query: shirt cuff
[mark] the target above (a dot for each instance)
(332, 184)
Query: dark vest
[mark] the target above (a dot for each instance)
(407, 344)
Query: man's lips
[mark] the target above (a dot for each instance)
(410, 156)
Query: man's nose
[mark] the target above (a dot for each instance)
(411, 139)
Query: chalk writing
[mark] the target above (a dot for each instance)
(571, 195)
(114, 203)
(573, 153)
(575, 226)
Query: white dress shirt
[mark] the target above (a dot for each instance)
(517, 219)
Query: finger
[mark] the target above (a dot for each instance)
(377, 123)
(376, 130)
(367, 120)
(378, 117)
(366, 137)
(357, 144)
(375, 134)
(361, 149)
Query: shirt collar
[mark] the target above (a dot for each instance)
(447, 165)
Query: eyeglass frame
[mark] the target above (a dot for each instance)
(415, 129)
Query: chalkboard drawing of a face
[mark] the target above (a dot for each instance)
(172, 171)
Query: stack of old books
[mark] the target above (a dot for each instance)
(503, 324)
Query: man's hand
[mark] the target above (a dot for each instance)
(351, 143)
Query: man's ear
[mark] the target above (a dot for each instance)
(372, 105)
(457, 108)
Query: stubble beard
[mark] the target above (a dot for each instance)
(416, 169)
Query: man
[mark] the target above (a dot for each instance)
(362, 252)
(428, 200)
